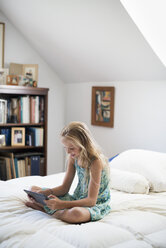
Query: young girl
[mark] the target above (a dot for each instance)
(91, 198)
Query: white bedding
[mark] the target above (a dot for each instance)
(136, 220)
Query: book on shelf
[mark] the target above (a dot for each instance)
(6, 170)
(34, 136)
(22, 109)
(9, 111)
(21, 164)
(36, 109)
(41, 109)
(42, 161)
(10, 168)
(35, 165)
(21, 168)
(25, 109)
(3, 169)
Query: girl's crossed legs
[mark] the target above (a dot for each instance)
(73, 215)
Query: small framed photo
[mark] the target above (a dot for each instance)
(12, 80)
(2, 140)
(18, 136)
(2, 37)
(102, 113)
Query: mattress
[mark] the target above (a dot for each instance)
(135, 221)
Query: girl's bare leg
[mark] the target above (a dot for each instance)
(35, 188)
(73, 216)
(34, 206)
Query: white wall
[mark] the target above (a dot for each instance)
(18, 50)
(140, 120)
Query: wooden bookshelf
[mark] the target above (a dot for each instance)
(9, 92)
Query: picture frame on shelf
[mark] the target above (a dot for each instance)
(18, 136)
(31, 71)
(2, 140)
(3, 111)
(12, 80)
(102, 113)
(2, 40)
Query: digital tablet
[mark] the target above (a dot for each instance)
(37, 196)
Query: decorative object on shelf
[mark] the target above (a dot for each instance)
(29, 73)
(2, 38)
(18, 136)
(23, 81)
(102, 106)
(2, 140)
(4, 72)
(12, 80)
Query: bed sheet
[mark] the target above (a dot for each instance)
(135, 221)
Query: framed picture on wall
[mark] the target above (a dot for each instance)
(102, 113)
(2, 38)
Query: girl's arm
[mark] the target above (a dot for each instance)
(65, 186)
(90, 200)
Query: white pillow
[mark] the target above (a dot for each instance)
(129, 182)
(150, 164)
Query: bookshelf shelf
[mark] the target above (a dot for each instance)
(22, 124)
(35, 148)
(21, 147)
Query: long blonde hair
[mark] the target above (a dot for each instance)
(80, 135)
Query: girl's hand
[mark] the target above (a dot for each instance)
(36, 203)
(37, 190)
(40, 190)
(54, 202)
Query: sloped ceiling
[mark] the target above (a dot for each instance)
(150, 17)
(85, 40)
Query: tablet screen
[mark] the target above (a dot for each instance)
(37, 196)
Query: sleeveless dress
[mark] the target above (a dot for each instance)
(102, 206)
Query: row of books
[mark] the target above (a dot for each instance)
(34, 136)
(20, 165)
(23, 109)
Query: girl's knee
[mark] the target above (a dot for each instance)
(73, 216)
(34, 188)
(79, 215)
(76, 213)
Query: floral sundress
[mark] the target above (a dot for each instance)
(102, 207)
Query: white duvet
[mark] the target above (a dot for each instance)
(136, 220)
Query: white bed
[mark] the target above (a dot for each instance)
(137, 219)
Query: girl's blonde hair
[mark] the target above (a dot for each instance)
(79, 134)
